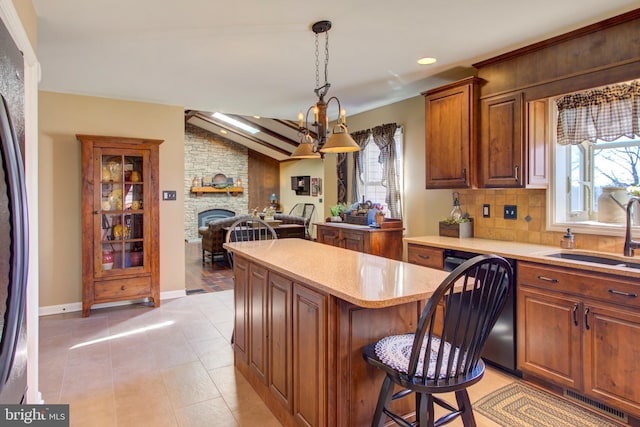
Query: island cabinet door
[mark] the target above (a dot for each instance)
(257, 299)
(612, 348)
(309, 356)
(280, 339)
(240, 333)
(550, 336)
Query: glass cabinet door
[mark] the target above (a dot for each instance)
(120, 219)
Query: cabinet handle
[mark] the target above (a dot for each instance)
(625, 294)
(122, 288)
(464, 175)
(575, 314)
(423, 256)
(548, 279)
(515, 172)
(586, 319)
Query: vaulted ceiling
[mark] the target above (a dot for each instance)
(256, 57)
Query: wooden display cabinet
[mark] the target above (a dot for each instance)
(120, 247)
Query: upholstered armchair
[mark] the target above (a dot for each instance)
(213, 236)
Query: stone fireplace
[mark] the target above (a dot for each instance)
(206, 154)
(209, 215)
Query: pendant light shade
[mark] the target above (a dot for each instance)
(340, 142)
(305, 149)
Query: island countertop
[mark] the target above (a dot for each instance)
(364, 280)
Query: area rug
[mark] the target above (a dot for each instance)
(519, 404)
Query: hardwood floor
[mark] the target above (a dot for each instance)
(205, 277)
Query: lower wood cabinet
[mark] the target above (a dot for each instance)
(385, 242)
(301, 349)
(280, 339)
(579, 330)
(425, 256)
(309, 357)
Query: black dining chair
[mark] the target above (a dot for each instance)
(247, 229)
(244, 230)
(443, 354)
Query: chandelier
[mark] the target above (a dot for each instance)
(314, 143)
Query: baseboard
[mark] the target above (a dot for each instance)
(77, 306)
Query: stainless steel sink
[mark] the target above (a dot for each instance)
(595, 259)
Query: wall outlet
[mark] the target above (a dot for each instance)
(510, 212)
(486, 211)
(168, 195)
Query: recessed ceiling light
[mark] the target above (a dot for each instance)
(222, 131)
(426, 61)
(256, 117)
(235, 123)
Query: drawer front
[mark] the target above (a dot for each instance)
(603, 287)
(112, 290)
(425, 256)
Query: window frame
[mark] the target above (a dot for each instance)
(399, 143)
(556, 199)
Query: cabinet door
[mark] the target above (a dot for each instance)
(280, 336)
(501, 141)
(549, 336)
(355, 240)
(450, 135)
(309, 356)
(537, 144)
(121, 221)
(257, 299)
(240, 325)
(328, 236)
(425, 256)
(612, 347)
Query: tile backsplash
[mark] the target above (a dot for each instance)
(529, 227)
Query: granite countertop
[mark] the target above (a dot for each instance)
(529, 252)
(364, 280)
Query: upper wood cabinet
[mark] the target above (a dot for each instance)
(501, 141)
(537, 156)
(451, 134)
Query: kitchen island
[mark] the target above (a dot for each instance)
(303, 312)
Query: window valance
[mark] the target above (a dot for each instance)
(605, 113)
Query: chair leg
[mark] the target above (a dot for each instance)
(425, 415)
(464, 404)
(386, 392)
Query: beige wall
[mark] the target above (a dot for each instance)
(315, 169)
(422, 208)
(63, 116)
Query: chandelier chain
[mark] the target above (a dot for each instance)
(317, 64)
(326, 57)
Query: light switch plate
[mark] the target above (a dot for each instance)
(168, 195)
(486, 211)
(510, 212)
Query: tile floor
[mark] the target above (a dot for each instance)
(171, 366)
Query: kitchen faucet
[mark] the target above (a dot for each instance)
(629, 244)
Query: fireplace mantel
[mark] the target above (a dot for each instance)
(234, 191)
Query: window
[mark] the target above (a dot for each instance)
(591, 173)
(374, 185)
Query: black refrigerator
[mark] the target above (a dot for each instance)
(13, 225)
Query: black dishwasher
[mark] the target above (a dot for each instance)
(500, 348)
